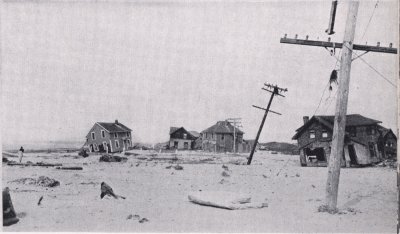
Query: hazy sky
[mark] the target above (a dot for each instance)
(157, 64)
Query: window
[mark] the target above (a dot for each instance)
(117, 143)
(312, 134)
(96, 147)
(371, 130)
(87, 139)
(115, 135)
(222, 137)
(184, 136)
(324, 134)
(128, 134)
(353, 131)
(371, 147)
(128, 142)
(93, 137)
(103, 133)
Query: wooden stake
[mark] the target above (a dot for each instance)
(332, 184)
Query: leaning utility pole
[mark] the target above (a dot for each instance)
(234, 122)
(343, 92)
(274, 90)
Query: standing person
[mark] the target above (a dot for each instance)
(20, 154)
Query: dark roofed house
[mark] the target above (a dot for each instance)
(112, 136)
(366, 141)
(219, 138)
(180, 138)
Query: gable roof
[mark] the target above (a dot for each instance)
(385, 131)
(192, 133)
(327, 121)
(114, 127)
(222, 127)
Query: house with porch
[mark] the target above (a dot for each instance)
(108, 137)
(366, 142)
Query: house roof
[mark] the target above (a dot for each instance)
(384, 131)
(327, 121)
(114, 127)
(222, 127)
(193, 133)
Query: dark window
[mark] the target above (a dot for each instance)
(103, 134)
(222, 137)
(353, 131)
(93, 137)
(371, 147)
(371, 130)
(312, 134)
(117, 143)
(115, 135)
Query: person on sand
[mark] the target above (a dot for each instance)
(20, 154)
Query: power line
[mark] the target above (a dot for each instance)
(380, 74)
(320, 100)
(376, 6)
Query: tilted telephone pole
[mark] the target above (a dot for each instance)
(274, 90)
(343, 92)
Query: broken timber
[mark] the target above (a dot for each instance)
(33, 165)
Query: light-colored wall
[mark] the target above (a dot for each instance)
(181, 143)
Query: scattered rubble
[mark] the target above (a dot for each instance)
(112, 158)
(43, 181)
(178, 167)
(40, 200)
(225, 174)
(391, 163)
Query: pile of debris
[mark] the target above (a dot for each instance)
(111, 158)
(391, 163)
(43, 181)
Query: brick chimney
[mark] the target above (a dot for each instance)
(306, 119)
(116, 121)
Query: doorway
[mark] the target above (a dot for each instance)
(352, 155)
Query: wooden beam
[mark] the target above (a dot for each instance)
(332, 184)
(338, 45)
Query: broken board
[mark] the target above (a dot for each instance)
(225, 200)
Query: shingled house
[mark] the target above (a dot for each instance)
(112, 136)
(180, 138)
(219, 138)
(366, 142)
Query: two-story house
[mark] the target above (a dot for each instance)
(111, 137)
(220, 138)
(180, 138)
(366, 142)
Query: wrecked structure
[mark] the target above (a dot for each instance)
(366, 141)
(220, 138)
(180, 138)
(111, 137)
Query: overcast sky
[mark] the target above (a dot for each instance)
(157, 64)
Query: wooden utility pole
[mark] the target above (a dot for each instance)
(343, 92)
(332, 184)
(274, 90)
(234, 122)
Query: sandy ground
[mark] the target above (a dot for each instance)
(367, 196)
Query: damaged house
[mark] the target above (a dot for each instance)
(115, 137)
(366, 142)
(220, 138)
(180, 138)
